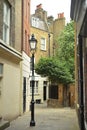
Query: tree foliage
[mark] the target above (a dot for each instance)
(61, 67)
(54, 70)
(65, 51)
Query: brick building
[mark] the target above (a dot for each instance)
(25, 52)
(79, 15)
(46, 30)
(39, 27)
(58, 25)
(14, 58)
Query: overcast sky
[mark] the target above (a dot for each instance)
(53, 7)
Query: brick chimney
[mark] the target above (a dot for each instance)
(39, 6)
(40, 13)
(61, 15)
(50, 19)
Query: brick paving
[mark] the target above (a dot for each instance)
(47, 119)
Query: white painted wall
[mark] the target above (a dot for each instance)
(26, 73)
(40, 80)
(10, 90)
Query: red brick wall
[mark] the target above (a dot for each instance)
(66, 97)
(60, 93)
(26, 26)
(72, 95)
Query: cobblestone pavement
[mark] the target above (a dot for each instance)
(47, 119)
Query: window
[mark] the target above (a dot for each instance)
(43, 44)
(35, 87)
(6, 22)
(35, 22)
(45, 83)
(1, 69)
(53, 92)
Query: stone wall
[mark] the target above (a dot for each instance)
(54, 103)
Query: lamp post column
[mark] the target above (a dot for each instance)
(32, 44)
(32, 122)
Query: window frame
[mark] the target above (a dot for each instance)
(43, 44)
(1, 69)
(35, 87)
(6, 22)
(35, 22)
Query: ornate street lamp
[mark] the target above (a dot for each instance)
(33, 44)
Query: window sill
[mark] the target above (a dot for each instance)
(43, 50)
(36, 94)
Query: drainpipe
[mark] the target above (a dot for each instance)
(81, 99)
(49, 43)
(49, 35)
(22, 26)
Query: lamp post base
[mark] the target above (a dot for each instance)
(32, 123)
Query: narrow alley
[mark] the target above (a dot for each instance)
(47, 119)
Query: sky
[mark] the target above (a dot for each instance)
(53, 7)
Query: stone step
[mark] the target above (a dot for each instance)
(4, 124)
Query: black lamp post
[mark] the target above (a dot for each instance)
(33, 43)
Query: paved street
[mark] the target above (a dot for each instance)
(47, 119)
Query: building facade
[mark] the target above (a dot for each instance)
(79, 15)
(58, 24)
(10, 60)
(46, 31)
(26, 53)
(39, 27)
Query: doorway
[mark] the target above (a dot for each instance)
(44, 93)
(24, 94)
(45, 90)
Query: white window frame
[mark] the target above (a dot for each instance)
(6, 22)
(35, 22)
(43, 44)
(35, 87)
(1, 69)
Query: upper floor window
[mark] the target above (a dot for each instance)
(43, 44)
(6, 22)
(35, 22)
(1, 69)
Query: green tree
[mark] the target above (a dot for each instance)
(65, 51)
(60, 68)
(54, 70)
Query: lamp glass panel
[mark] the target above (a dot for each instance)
(33, 45)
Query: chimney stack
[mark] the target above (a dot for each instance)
(61, 15)
(39, 6)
